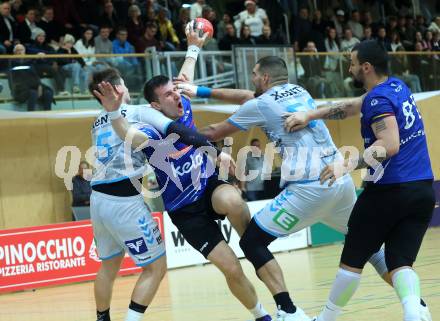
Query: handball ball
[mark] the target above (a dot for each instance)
(204, 26)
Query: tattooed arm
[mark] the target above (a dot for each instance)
(341, 110)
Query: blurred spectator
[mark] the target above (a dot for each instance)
(135, 26)
(88, 11)
(26, 85)
(382, 39)
(81, 187)
(419, 39)
(420, 24)
(72, 67)
(209, 14)
(50, 26)
(180, 26)
(65, 14)
(355, 25)
(339, 22)
(331, 64)
(302, 27)
(400, 68)
(253, 17)
(245, 36)
(166, 31)
(428, 39)
(127, 66)
(24, 29)
(392, 24)
(396, 44)
(8, 33)
(267, 38)
(319, 24)
(314, 80)
(45, 67)
(436, 42)
(148, 39)
(229, 39)
(109, 18)
(196, 9)
(103, 44)
(254, 189)
(406, 32)
(221, 26)
(18, 10)
(435, 25)
(348, 42)
(86, 46)
(368, 34)
(421, 65)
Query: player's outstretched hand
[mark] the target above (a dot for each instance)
(193, 36)
(295, 121)
(225, 160)
(110, 96)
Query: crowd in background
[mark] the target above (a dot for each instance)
(47, 27)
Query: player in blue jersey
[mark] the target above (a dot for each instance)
(193, 194)
(397, 203)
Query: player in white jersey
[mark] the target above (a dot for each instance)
(303, 201)
(121, 220)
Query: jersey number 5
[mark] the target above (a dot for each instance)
(105, 151)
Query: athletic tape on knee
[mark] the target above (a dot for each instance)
(406, 284)
(378, 261)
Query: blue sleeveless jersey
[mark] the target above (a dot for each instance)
(393, 98)
(181, 171)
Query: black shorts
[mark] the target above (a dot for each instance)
(396, 215)
(197, 221)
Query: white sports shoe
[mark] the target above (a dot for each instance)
(299, 315)
(425, 315)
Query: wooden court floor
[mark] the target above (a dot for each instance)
(200, 293)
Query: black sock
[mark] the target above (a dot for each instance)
(137, 307)
(284, 302)
(422, 302)
(103, 316)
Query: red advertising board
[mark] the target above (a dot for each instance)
(53, 254)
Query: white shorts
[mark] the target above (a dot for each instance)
(124, 224)
(302, 205)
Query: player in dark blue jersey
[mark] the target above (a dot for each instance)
(397, 204)
(193, 194)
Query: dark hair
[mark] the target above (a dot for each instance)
(274, 66)
(372, 52)
(151, 85)
(150, 24)
(254, 140)
(110, 75)
(91, 42)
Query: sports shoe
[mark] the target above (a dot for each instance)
(299, 315)
(425, 315)
(265, 318)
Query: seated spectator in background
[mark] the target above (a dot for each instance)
(355, 24)
(150, 15)
(400, 68)
(419, 38)
(89, 10)
(253, 17)
(396, 44)
(409, 34)
(81, 187)
(221, 26)
(302, 27)
(254, 189)
(209, 14)
(267, 38)
(434, 27)
(314, 80)
(382, 39)
(127, 66)
(421, 65)
(428, 39)
(24, 29)
(45, 67)
(392, 25)
(166, 31)
(436, 42)
(103, 44)
(8, 31)
(72, 67)
(348, 42)
(246, 37)
(180, 26)
(196, 9)
(135, 26)
(148, 39)
(229, 39)
(339, 22)
(26, 85)
(109, 18)
(332, 64)
(18, 10)
(66, 15)
(51, 27)
(319, 24)
(368, 34)
(420, 24)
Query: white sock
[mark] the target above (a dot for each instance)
(344, 286)
(407, 286)
(258, 311)
(134, 315)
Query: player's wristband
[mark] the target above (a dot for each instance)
(114, 114)
(203, 92)
(192, 52)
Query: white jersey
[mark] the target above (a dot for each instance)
(114, 161)
(305, 152)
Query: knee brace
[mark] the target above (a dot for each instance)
(378, 261)
(254, 243)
